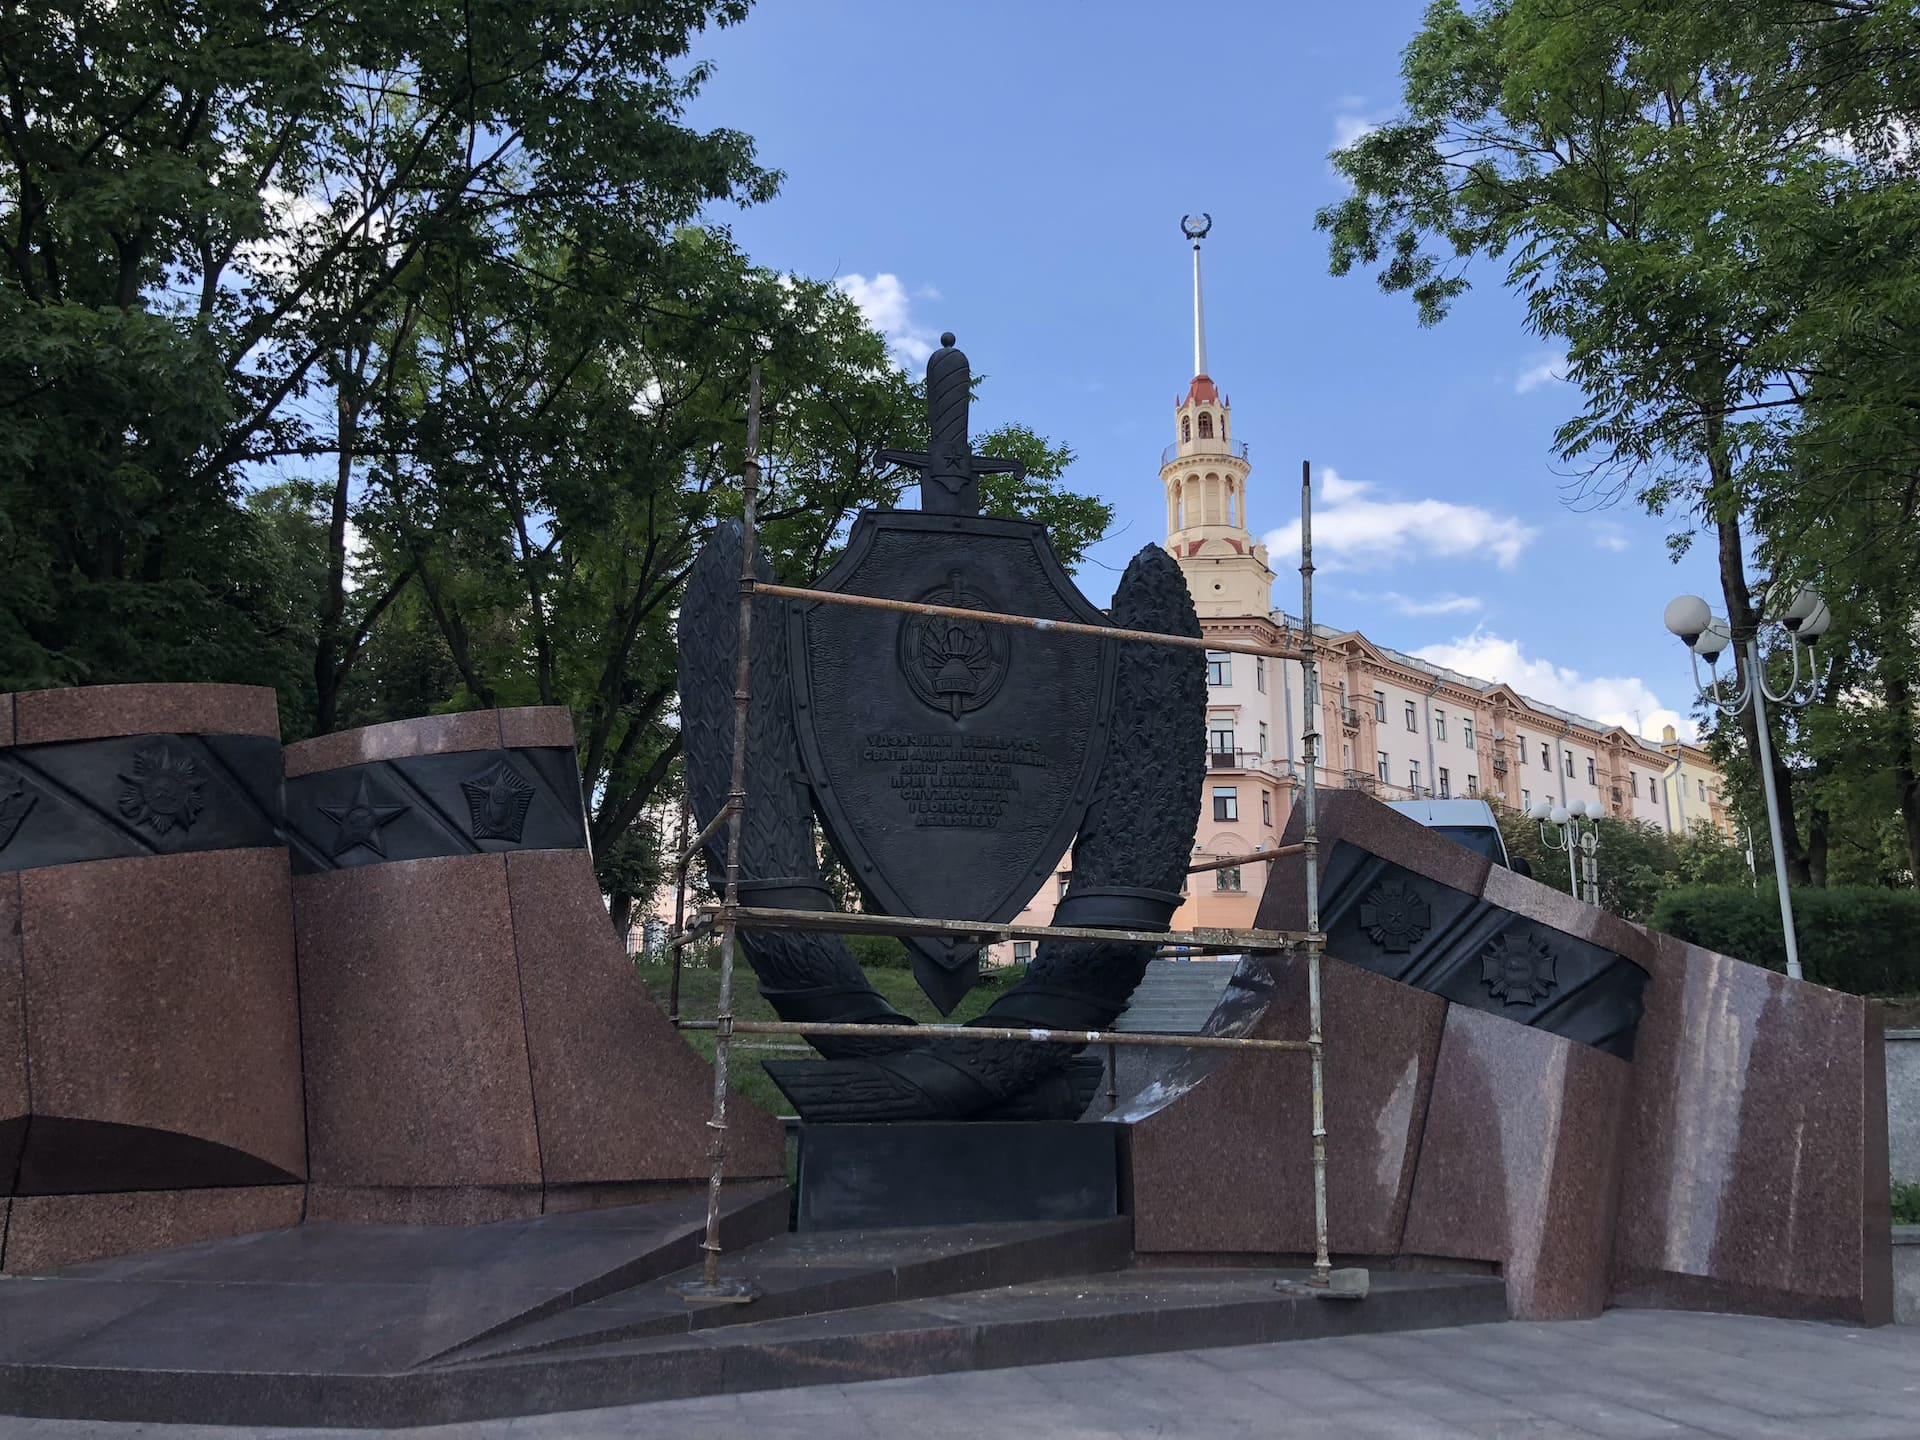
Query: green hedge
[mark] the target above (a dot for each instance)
(1861, 940)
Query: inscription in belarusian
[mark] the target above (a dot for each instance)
(954, 782)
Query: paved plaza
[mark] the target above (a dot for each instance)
(1628, 1375)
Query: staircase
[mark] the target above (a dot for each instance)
(1176, 996)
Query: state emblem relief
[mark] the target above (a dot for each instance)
(953, 664)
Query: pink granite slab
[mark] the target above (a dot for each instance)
(416, 1058)
(1227, 1167)
(396, 740)
(162, 1032)
(1756, 1168)
(1520, 1162)
(47, 1232)
(95, 712)
(620, 1096)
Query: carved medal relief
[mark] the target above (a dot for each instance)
(1518, 969)
(497, 800)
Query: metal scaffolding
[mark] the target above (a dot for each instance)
(727, 919)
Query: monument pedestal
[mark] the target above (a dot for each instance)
(959, 1173)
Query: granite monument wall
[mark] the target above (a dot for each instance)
(149, 1026)
(1608, 1116)
(368, 977)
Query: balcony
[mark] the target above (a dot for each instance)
(1349, 718)
(1234, 450)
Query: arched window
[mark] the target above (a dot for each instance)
(1206, 425)
(1186, 427)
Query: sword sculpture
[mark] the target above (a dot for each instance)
(949, 470)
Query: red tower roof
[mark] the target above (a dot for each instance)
(1203, 391)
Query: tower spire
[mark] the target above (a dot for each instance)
(1196, 231)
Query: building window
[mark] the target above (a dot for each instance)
(1206, 425)
(1186, 427)
(1439, 724)
(1023, 952)
(1590, 776)
(1546, 758)
(1219, 668)
(1521, 741)
(1703, 789)
(1473, 786)
(1260, 673)
(1220, 738)
(1466, 730)
(1653, 789)
(1380, 706)
(1263, 739)
(1227, 879)
(1413, 775)
(1226, 802)
(1446, 785)
(1633, 777)
(1266, 807)
(1413, 721)
(1526, 799)
(1383, 766)
(1066, 879)
(1566, 758)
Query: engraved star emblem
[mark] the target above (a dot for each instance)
(359, 821)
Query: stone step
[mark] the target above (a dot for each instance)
(815, 1272)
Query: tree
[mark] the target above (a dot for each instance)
(217, 220)
(1637, 862)
(1643, 169)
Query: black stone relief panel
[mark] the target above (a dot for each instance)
(1408, 928)
(133, 795)
(474, 802)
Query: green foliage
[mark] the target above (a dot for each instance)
(373, 353)
(1714, 209)
(1906, 1202)
(879, 952)
(1856, 940)
(1638, 863)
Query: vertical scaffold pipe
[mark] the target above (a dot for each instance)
(680, 894)
(1310, 811)
(737, 802)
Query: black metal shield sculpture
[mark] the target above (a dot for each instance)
(952, 760)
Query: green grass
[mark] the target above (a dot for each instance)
(700, 1000)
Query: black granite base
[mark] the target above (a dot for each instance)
(863, 1176)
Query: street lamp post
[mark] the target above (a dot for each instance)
(1707, 637)
(1563, 821)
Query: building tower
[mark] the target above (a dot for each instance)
(1205, 472)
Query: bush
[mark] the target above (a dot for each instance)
(1860, 940)
(881, 952)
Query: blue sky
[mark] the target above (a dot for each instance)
(1016, 172)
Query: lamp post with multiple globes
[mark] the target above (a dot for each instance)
(1581, 845)
(1707, 637)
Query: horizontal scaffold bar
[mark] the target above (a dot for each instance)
(1030, 622)
(998, 1032)
(840, 922)
(1227, 862)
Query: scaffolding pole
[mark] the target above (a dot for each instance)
(709, 1289)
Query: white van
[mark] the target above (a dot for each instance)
(1465, 822)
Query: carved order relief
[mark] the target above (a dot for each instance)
(165, 791)
(1394, 916)
(1518, 969)
(497, 801)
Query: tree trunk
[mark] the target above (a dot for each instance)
(1743, 617)
(620, 910)
(333, 605)
(1906, 772)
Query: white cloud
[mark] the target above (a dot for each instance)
(1437, 605)
(1611, 699)
(884, 300)
(1352, 530)
(1610, 537)
(1348, 129)
(1544, 369)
